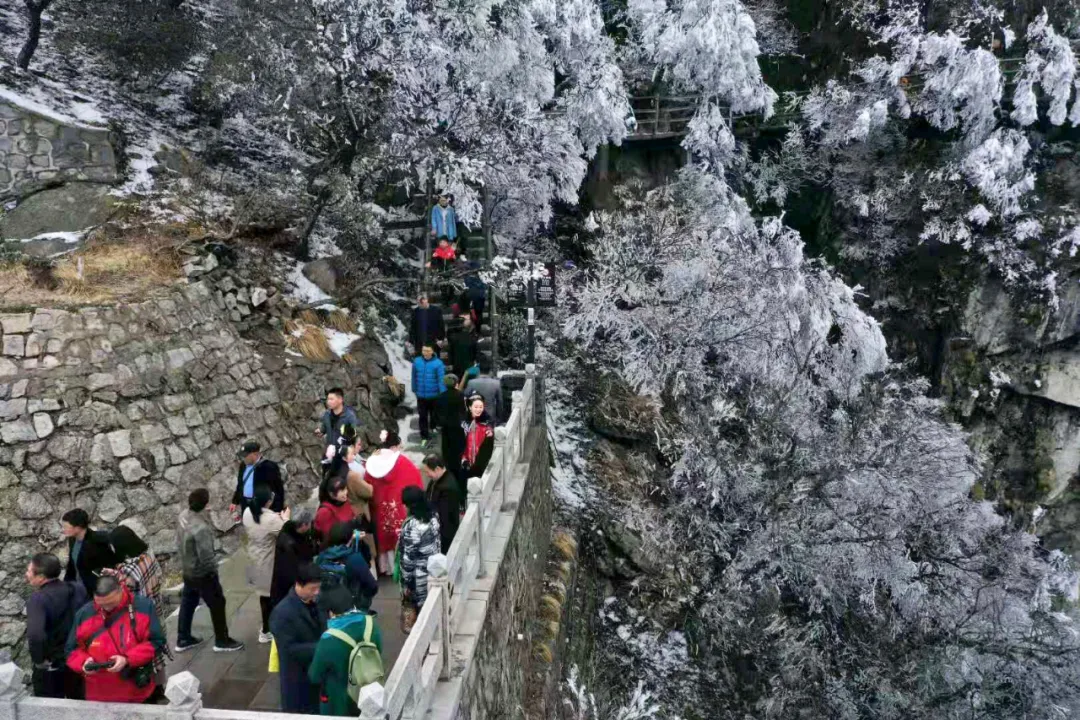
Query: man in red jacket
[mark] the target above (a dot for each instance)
(113, 642)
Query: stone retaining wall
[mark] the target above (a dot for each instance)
(124, 410)
(38, 149)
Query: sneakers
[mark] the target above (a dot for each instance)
(183, 645)
(265, 637)
(229, 645)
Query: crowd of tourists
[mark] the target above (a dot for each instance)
(95, 626)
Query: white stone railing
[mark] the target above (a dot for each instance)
(425, 658)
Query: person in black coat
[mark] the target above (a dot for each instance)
(463, 347)
(427, 324)
(444, 498)
(297, 624)
(50, 613)
(256, 470)
(88, 552)
(452, 416)
(296, 546)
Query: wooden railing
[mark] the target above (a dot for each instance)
(425, 658)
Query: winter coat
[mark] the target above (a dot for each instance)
(452, 415)
(427, 377)
(389, 473)
(292, 551)
(360, 490)
(262, 541)
(427, 326)
(96, 555)
(98, 636)
(267, 473)
(195, 545)
(330, 667)
(445, 253)
(50, 615)
(331, 425)
(358, 577)
(475, 288)
(143, 576)
(296, 627)
(490, 389)
(419, 541)
(462, 351)
(479, 444)
(447, 227)
(327, 516)
(444, 496)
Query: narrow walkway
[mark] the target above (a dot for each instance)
(240, 680)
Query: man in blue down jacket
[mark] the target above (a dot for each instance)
(427, 384)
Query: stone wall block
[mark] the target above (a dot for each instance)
(43, 425)
(14, 345)
(11, 409)
(17, 431)
(15, 322)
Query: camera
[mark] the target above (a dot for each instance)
(95, 666)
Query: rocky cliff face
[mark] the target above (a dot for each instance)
(1014, 376)
(124, 410)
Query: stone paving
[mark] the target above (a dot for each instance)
(239, 680)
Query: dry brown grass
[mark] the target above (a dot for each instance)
(308, 340)
(397, 388)
(340, 321)
(564, 545)
(310, 317)
(550, 609)
(111, 271)
(542, 652)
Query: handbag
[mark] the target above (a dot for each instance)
(275, 661)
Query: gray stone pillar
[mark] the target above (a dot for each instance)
(372, 702)
(476, 487)
(185, 700)
(11, 690)
(437, 578)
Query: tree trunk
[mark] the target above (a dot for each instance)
(303, 251)
(34, 10)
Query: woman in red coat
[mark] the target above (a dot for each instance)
(334, 507)
(389, 472)
(479, 438)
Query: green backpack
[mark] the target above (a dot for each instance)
(365, 663)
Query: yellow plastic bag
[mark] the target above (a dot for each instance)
(275, 664)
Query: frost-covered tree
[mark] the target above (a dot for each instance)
(819, 505)
(930, 137)
(513, 98)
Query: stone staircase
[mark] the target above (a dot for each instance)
(412, 234)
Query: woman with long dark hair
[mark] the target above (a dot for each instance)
(334, 506)
(262, 526)
(479, 439)
(137, 568)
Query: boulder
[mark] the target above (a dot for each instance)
(325, 273)
(70, 208)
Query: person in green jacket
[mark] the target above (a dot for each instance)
(330, 668)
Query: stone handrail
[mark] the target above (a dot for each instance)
(425, 658)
